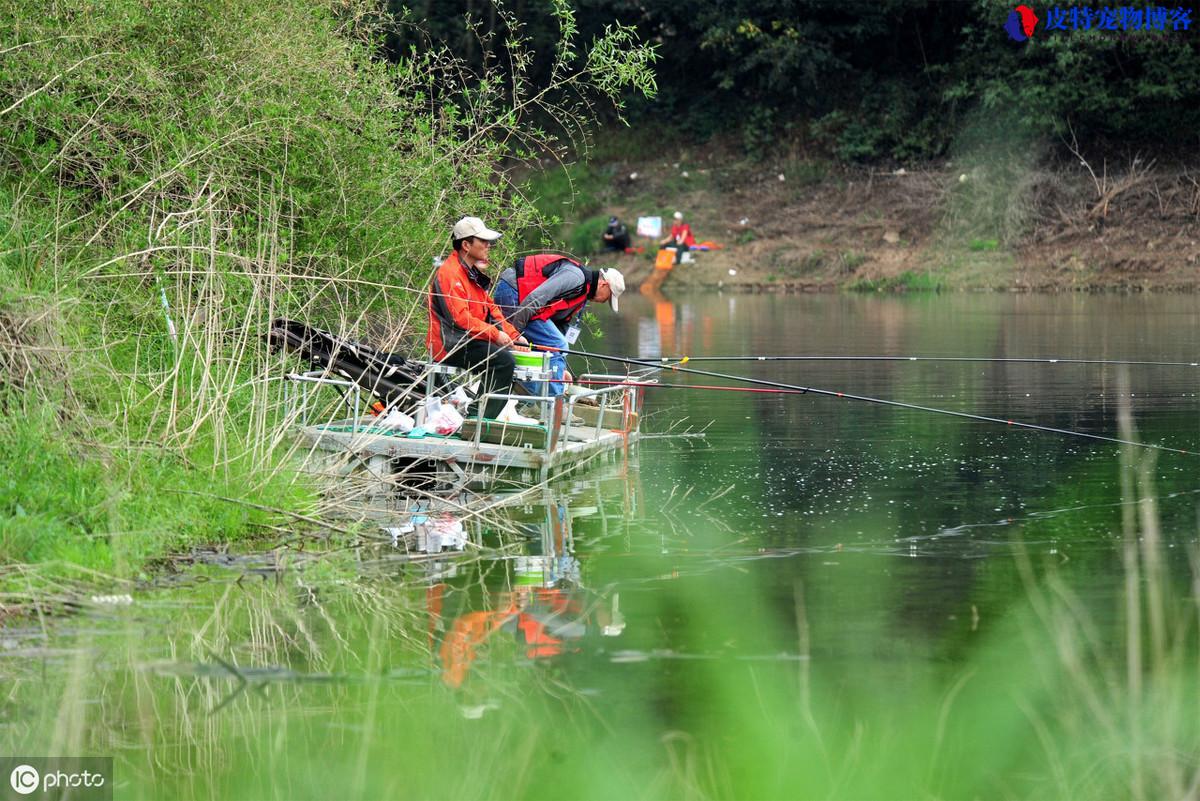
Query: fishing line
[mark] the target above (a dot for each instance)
(595, 382)
(880, 401)
(983, 359)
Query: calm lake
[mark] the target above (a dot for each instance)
(774, 596)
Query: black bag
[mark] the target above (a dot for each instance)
(393, 379)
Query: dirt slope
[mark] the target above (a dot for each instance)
(795, 227)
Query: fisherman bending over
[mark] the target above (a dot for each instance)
(465, 327)
(543, 296)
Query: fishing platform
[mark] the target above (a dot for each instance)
(572, 429)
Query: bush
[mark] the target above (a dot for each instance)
(907, 281)
(584, 238)
(231, 162)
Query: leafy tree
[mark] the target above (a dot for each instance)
(1135, 86)
(871, 79)
(175, 174)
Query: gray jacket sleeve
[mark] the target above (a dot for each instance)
(568, 282)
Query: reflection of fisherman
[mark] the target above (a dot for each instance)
(545, 621)
(616, 236)
(543, 297)
(547, 612)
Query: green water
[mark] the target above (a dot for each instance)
(818, 598)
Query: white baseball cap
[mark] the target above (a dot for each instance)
(678, 215)
(473, 226)
(616, 282)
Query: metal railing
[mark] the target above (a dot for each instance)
(315, 378)
(618, 399)
(604, 397)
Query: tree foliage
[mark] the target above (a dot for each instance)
(173, 174)
(871, 79)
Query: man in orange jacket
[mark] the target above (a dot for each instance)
(466, 329)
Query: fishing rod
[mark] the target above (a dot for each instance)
(880, 401)
(985, 359)
(652, 384)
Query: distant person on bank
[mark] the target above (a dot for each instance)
(466, 329)
(544, 295)
(680, 237)
(616, 235)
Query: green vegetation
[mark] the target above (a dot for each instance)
(305, 685)
(867, 80)
(851, 261)
(573, 190)
(998, 165)
(200, 168)
(70, 496)
(805, 172)
(745, 237)
(907, 281)
(584, 239)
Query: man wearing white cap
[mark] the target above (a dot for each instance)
(466, 329)
(544, 295)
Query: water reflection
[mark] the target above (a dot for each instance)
(533, 594)
(505, 576)
(816, 600)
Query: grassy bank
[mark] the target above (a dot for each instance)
(172, 177)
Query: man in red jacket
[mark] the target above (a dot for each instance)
(680, 238)
(465, 327)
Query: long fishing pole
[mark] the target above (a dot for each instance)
(592, 382)
(1017, 360)
(881, 401)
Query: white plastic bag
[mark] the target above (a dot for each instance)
(431, 406)
(398, 420)
(446, 420)
(459, 398)
(443, 533)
